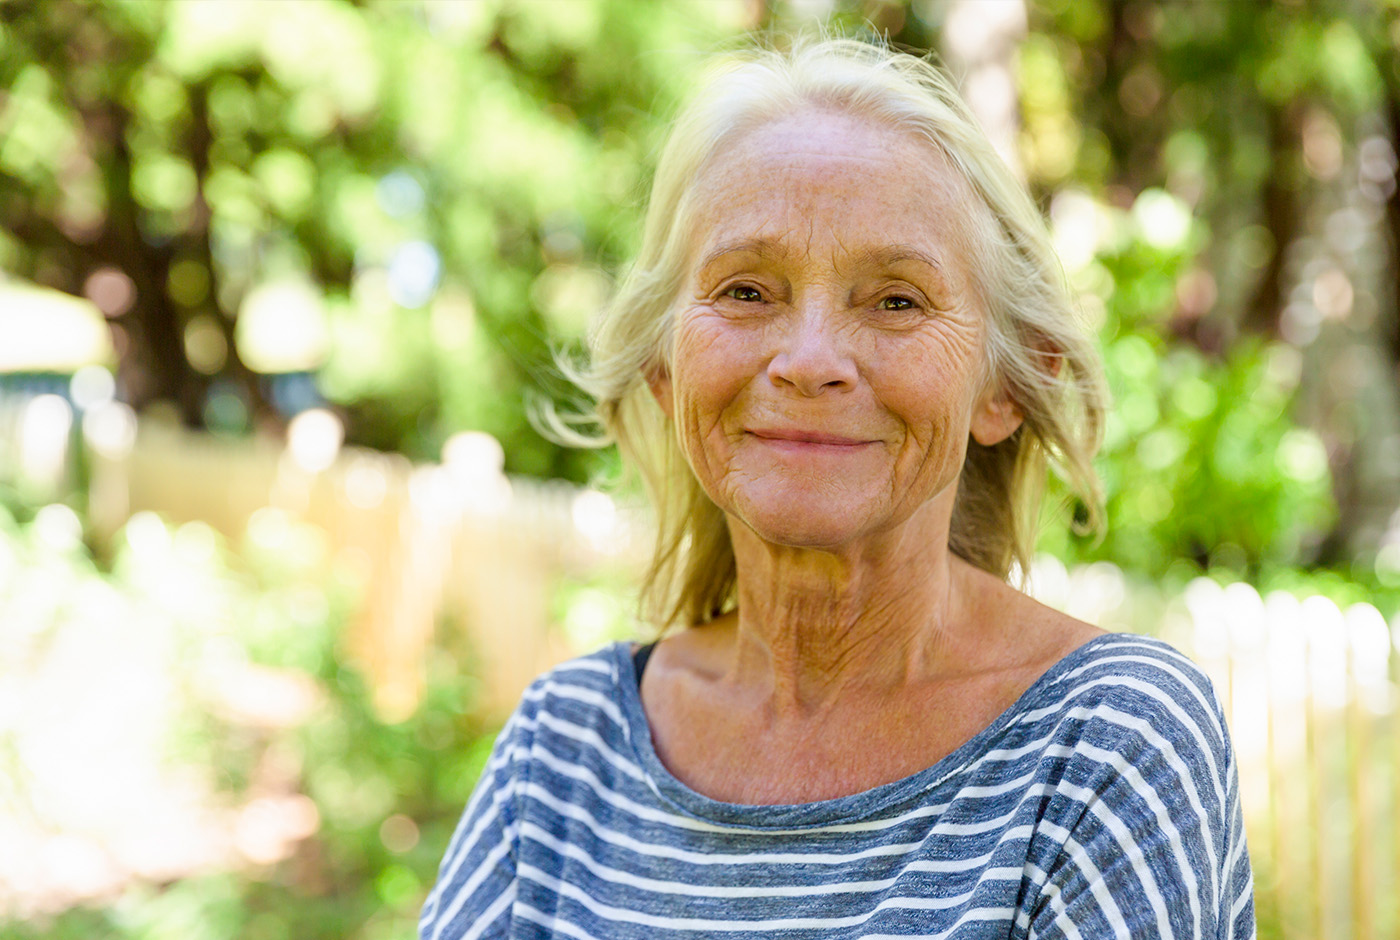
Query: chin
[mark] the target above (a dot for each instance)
(820, 540)
(814, 523)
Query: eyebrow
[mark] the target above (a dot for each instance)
(873, 257)
(893, 254)
(763, 247)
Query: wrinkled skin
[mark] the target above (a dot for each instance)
(827, 371)
(828, 363)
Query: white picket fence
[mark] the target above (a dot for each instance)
(1309, 691)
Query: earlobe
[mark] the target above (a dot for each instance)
(997, 418)
(659, 381)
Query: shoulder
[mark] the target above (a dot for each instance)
(564, 716)
(1108, 683)
(1120, 676)
(584, 689)
(595, 672)
(1145, 796)
(1134, 712)
(576, 714)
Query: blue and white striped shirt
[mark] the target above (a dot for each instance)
(1103, 803)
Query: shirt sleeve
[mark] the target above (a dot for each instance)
(1158, 848)
(476, 882)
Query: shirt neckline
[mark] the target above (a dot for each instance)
(851, 808)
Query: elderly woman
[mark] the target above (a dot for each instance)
(841, 363)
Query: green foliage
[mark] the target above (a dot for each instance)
(426, 198)
(450, 181)
(1204, 133)
(386, 794)
(421, 199)
(1198, 465)
(1200, 461)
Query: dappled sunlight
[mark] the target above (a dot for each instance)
(119, 696)
(100, 680)
(48, 329)
(151, 714)
(283, 286)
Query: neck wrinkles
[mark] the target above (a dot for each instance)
(814, 624)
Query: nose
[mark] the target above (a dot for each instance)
(813, 356)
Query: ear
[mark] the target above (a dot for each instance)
(1046, 354)
(659, 381)
(995, 417)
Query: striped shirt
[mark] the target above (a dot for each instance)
(1103, 803)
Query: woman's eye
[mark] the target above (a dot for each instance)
(744, 293)
(896, 303)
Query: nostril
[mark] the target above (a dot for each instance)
(778, 370)
(811, 375)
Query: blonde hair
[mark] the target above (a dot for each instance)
(1036, 347)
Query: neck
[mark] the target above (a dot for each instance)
(817, 623)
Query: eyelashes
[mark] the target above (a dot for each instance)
(892, 303)
(887, 303)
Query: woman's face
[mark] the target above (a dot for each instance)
(828, 359)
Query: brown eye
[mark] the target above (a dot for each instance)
(896, 303)
(748, 295)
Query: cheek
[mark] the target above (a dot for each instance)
(929, 383)
(931, 388)
(711, 358)
(709, 372)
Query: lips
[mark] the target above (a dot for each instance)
(802, 436)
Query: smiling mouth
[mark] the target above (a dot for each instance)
(808, 438)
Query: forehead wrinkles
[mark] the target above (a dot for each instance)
(809, 191)
(736, 192)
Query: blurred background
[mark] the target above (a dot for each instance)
(279, 546)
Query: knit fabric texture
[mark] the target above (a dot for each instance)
(1103, 803)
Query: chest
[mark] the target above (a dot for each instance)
(747, 754)
(915, 870)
